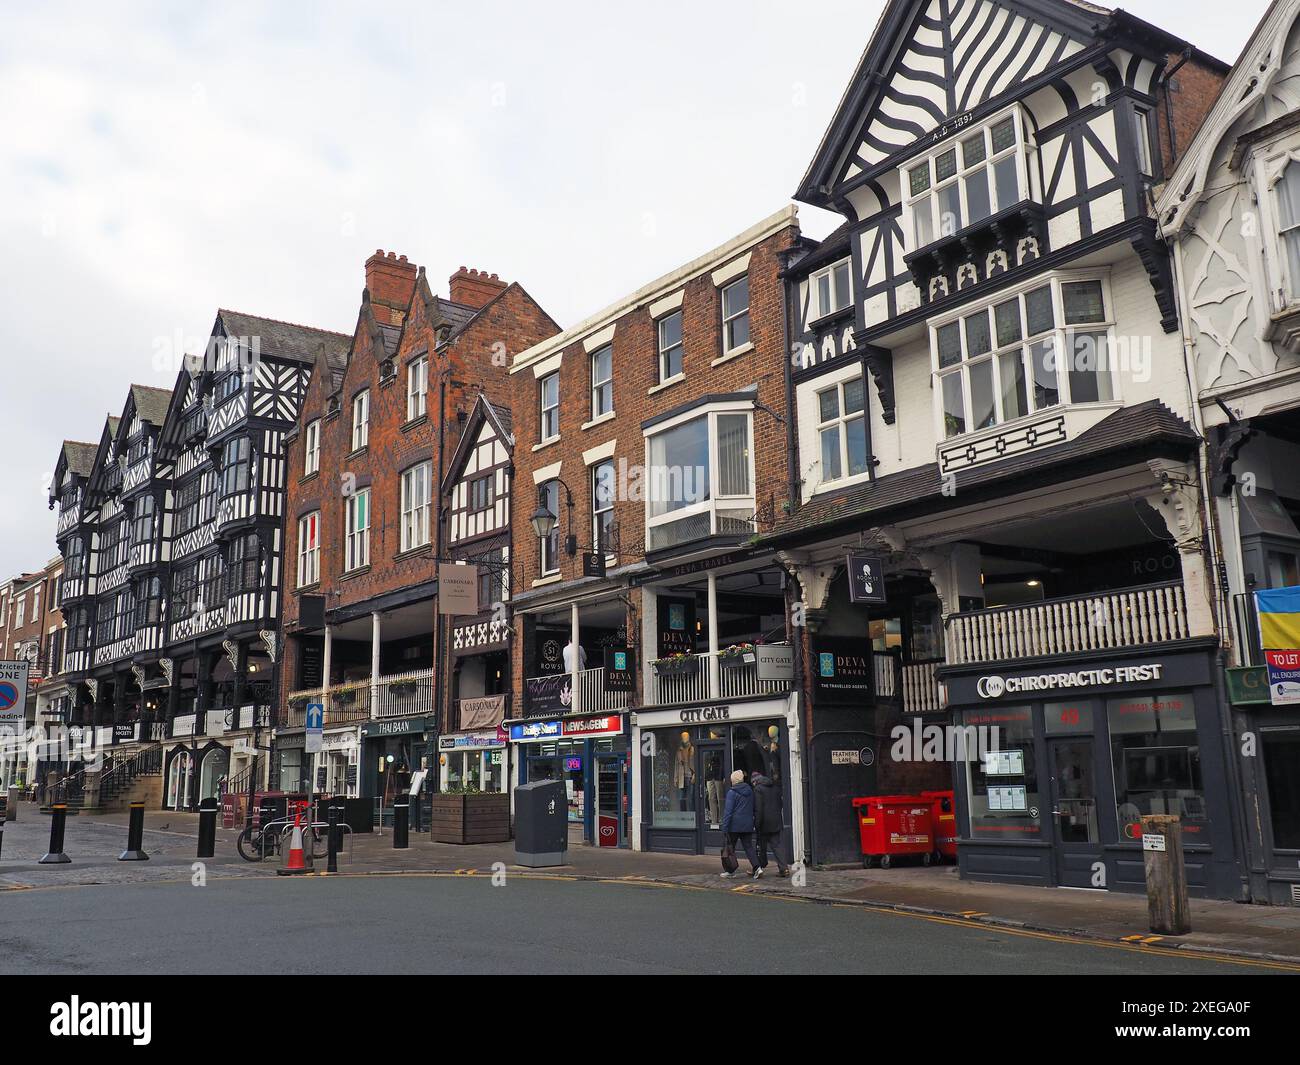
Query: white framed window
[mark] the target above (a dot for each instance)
(356, 525)
(548, 389)
(965, 180)
(832, 289)
(1142, 139)
(842, 429)
(701, 477)
(417, 388)
(669, 329)
(416, 504)
(311, 448)
(309, 549)
(1048, 344)
(20, 610)
(735, 315)
(549, 546)
(602, 381)
(360, 420)
(602, 506)
(1287, 193)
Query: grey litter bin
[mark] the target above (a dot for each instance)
(11, 811)
(541, 824)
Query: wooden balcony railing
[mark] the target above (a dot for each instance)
(1127, 617)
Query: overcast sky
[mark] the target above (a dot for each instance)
(159, 161)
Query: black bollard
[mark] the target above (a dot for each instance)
(58, 821)
(207, 828)
(4, 814)
(266, 815)
(332, 839)
(135, 836)
(401, 824)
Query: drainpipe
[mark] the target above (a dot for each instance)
(1165, 78)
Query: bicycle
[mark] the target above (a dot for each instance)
(256, 842)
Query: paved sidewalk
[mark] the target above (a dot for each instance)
(94, 841)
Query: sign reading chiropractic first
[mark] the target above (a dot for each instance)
(995, 686)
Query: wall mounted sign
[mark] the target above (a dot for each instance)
(13, 693)
(402, 726)
(486, 711)
(842, 671)
(593, 563)
(775, 661)
(676, 627)
(866, 579)
(620, 669)
(531, 731)
(551, 694)
(1248, 685)
(607, 725)
(471, 741)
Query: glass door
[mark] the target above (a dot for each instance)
(1076, 834)
(711, 779)
(611, 802)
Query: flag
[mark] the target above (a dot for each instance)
(1279, 618)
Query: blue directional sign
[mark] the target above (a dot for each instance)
(315, 726)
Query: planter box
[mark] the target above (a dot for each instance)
(679, 668)
(748, 658)
(482, 818)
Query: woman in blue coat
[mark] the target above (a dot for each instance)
(738, 820)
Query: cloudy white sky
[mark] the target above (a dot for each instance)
(158, 161)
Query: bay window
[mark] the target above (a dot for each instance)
(1287, 191)
(245, 564)
(701, 478)
(235, 467)
(309, 549)
(416, 499)
(842, 430)
(142, 520)
(1035, 349)
(964, 181)
(356, 524)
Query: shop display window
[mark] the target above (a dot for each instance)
(1157, 760)
(1282, 766)
(673, 779)
(1002, 784)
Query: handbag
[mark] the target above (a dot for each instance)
(729, 862)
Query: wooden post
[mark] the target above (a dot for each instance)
(1162, 855)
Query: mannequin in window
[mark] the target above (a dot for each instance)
(713, 787)
(684, 772)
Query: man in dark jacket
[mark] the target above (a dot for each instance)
(738, 820)
(768, 823)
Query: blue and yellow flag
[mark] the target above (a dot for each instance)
(1279, 618)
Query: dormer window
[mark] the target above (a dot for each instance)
(1287, 191)
(964, 181)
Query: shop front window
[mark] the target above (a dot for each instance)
(1282, 767)
(1002, 783)
(674, 779)
(1157, 759)
(290, 770)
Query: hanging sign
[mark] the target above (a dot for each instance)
(866, 579)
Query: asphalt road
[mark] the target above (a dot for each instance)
(415, 924)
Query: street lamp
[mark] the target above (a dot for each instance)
(544, 522)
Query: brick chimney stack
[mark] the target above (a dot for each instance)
(475, 288)
(391, 281)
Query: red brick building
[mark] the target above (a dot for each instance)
(361, 524)
(651, 450)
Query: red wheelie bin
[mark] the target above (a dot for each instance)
(894, 825)
(943, 819)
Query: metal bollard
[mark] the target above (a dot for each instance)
(4, 813)
(207, 828)
(58, 822)
(401, 824)
(332, 839)
(135, 836)
(266, 814)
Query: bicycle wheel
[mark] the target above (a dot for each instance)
(250, 845)
(319, 844)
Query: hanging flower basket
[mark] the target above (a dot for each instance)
(737, 655)
(677, 666)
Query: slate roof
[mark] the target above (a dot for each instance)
(916, 492)
(151, 403)
(288, 339)
(80, 456)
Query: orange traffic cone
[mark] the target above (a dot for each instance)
(296, 860)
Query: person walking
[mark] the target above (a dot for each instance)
(768, 823)
(738, 822)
